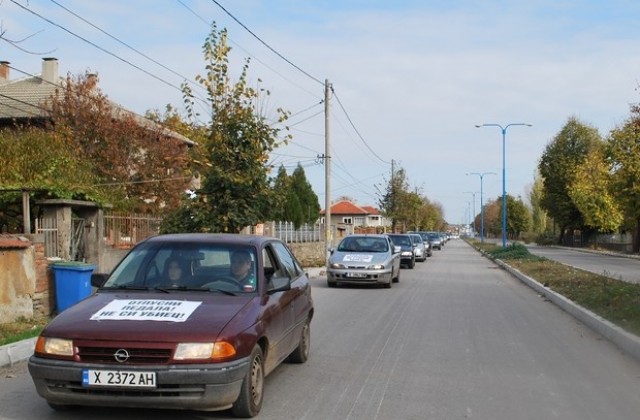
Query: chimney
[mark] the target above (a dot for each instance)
(4, 71)
(49, 70)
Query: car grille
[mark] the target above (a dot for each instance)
(90, 354)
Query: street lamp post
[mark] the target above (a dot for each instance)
(504, 174)
(474, 210)
(481, 175)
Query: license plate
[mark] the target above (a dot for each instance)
(118, 378)
(357, 275)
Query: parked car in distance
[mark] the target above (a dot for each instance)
(436, 240)
(364, 259)
(407, 256)
(185, 321)
(427, 243)
(418, 247)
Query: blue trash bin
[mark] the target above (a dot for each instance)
(73, 282)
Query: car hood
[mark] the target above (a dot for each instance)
(174, 317)
(358, 258)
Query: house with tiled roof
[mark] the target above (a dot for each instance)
(22, 100)
(346, 217)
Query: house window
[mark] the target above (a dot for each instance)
(347, 220)
(358, 221)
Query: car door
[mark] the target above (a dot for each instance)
(395, 259)
(300, 291)
(279, 306)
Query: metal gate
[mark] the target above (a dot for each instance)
(49, 228)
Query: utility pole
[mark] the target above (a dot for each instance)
(328, 236)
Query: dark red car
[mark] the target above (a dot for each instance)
(201, 340)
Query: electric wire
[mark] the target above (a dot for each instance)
(354, 127)
(93, 44)
(267, 45)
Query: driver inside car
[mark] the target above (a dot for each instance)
(242, 270)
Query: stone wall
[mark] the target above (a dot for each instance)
(310, 254)
(17, 278)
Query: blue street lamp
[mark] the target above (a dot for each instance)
(481, 175)
(473, 216)
(504, 174)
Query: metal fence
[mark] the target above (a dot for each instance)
(287, 232)
(124, 230)
(49, 228)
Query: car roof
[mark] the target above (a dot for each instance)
(367, 235)
(228, 238)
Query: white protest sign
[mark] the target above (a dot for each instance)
(358, 258)
(146, 310)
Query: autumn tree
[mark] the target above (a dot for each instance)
(558, 166)
(47, 166)
(391, 198)
(591, 192)
(624, 153)
(538, 214)
(518, 217)
(140, 164)
(235, 190)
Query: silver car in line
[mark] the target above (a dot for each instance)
(364, 259)
(418, 247)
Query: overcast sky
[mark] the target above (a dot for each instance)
(413, 76)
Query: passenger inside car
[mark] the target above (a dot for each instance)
(175, 272)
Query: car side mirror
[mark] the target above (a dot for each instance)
(397, 249)
(98, 279)
(278, 284)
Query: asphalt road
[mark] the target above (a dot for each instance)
(607, 264)
(457, 338)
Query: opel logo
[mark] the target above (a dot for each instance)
(121, 355)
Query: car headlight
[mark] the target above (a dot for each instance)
(218, 350)
(376, 267)
(406, 253)
(54, 346)
(337, 265)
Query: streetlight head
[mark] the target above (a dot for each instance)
(528, 124)
(478, 125)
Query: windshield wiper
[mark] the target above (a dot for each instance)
(181, 289)
(125, 287)
(226, 292)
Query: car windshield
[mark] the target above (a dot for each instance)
(402, 240)
(416, 239)
(363, 244)
(177, 266)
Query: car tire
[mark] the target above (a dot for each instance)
(412, 263)
(301, 353)
(396, 279)
(249, 401)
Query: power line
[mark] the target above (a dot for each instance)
(250, 55)
(96, 46)
(355, 129)
(267, 45)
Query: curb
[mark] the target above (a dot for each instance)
(627, 342)
(16, 352)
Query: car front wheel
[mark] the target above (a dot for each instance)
(249, 401)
